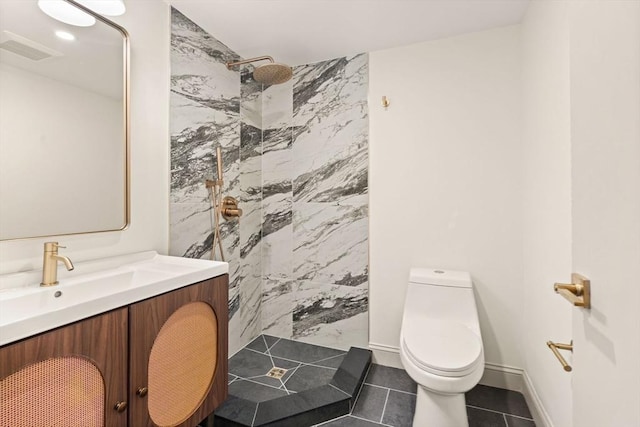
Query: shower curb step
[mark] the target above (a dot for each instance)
(305, 408)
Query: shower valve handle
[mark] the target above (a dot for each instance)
(229, 208)
(231, 213)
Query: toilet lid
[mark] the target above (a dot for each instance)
(444, 348)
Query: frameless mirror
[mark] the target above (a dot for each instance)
(63, 124)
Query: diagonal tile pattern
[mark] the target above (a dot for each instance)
(305, 353)
(307, 366)
(318, 384)
(315, 204)
(388, 398)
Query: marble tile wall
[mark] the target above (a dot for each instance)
(250, 248)
(315, 204)
(210, 106)
(295, 155)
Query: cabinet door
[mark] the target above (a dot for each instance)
(178, 355)
(72, 376)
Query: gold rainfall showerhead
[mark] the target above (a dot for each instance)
(268, 74)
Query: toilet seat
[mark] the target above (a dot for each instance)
(444, 348)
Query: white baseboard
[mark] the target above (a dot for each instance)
(386, 355)
(516, 379)
(540, 415)
(505, 377)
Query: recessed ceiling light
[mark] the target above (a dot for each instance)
(67, 13)
(65, 36)
(105, 7)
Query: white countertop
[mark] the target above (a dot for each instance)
(93, 287)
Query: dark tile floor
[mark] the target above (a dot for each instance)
(307, 366)
(388, 398)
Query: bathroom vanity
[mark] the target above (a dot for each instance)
(136, 340)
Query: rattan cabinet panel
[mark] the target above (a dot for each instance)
(159, 362)
(178, 355)
(72, 376)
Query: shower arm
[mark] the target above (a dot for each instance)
(247, 61)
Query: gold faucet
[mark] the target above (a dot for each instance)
(50, 264)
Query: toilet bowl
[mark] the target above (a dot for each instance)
(441, 344)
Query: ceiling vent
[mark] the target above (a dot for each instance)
(26, 48)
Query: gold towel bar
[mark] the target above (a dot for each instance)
(554, 346)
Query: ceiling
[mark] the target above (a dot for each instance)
(92, 62)
(306, 31)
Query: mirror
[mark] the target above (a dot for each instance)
(63, 124)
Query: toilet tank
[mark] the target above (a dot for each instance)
(439, 277)
(442, 295)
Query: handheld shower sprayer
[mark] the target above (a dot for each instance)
(219, 163)
(227, 206)
(215, 191)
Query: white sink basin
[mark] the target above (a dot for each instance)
(93, 287)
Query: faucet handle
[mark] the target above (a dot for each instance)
(52, 247)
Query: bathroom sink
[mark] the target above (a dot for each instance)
(93, 287)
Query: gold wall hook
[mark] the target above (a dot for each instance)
(578, 292)
(555, 346)
(385, 102)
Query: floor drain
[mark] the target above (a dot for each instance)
(276, 373)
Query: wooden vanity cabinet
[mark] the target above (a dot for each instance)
(74, 375)
(178, 355)
(158, 362)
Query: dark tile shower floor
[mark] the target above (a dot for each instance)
(306, 366)
(284, 383)
(387, 396)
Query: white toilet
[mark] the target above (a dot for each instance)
(441, 344)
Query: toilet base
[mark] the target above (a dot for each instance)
(441, 410)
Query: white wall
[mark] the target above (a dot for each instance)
(148, 25)
(581, 136)
(546, 168)
(445, 179)
(605, 127)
